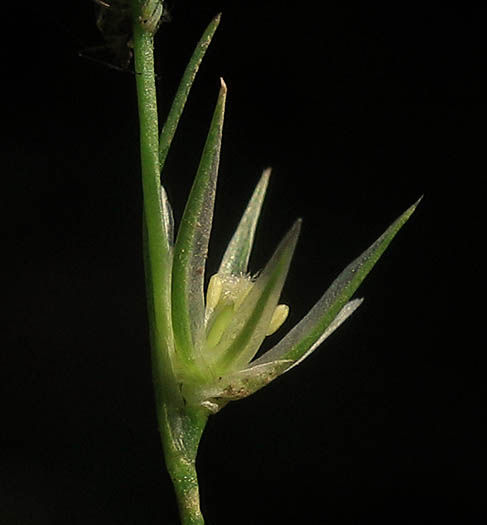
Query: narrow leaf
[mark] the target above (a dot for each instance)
(191, 245)
(312, 329)
(246, 331)
(236, 257)
(172, 121)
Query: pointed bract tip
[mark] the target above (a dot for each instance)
(267, 172)
(217, 18)
(294, 230)
(417, 202)
(223, 86)
(412, 208)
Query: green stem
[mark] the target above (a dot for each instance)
(180, 438)
(180, 426)
(157, 244)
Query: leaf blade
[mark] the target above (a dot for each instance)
(177, 108)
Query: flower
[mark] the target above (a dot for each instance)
(214, 337)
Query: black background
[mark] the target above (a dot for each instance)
(359, 110)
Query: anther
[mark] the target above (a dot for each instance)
(213, 292)
(278, 317)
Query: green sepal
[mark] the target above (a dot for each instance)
(247, 329)
(190, 249)
(236, 257)
(302, 339)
